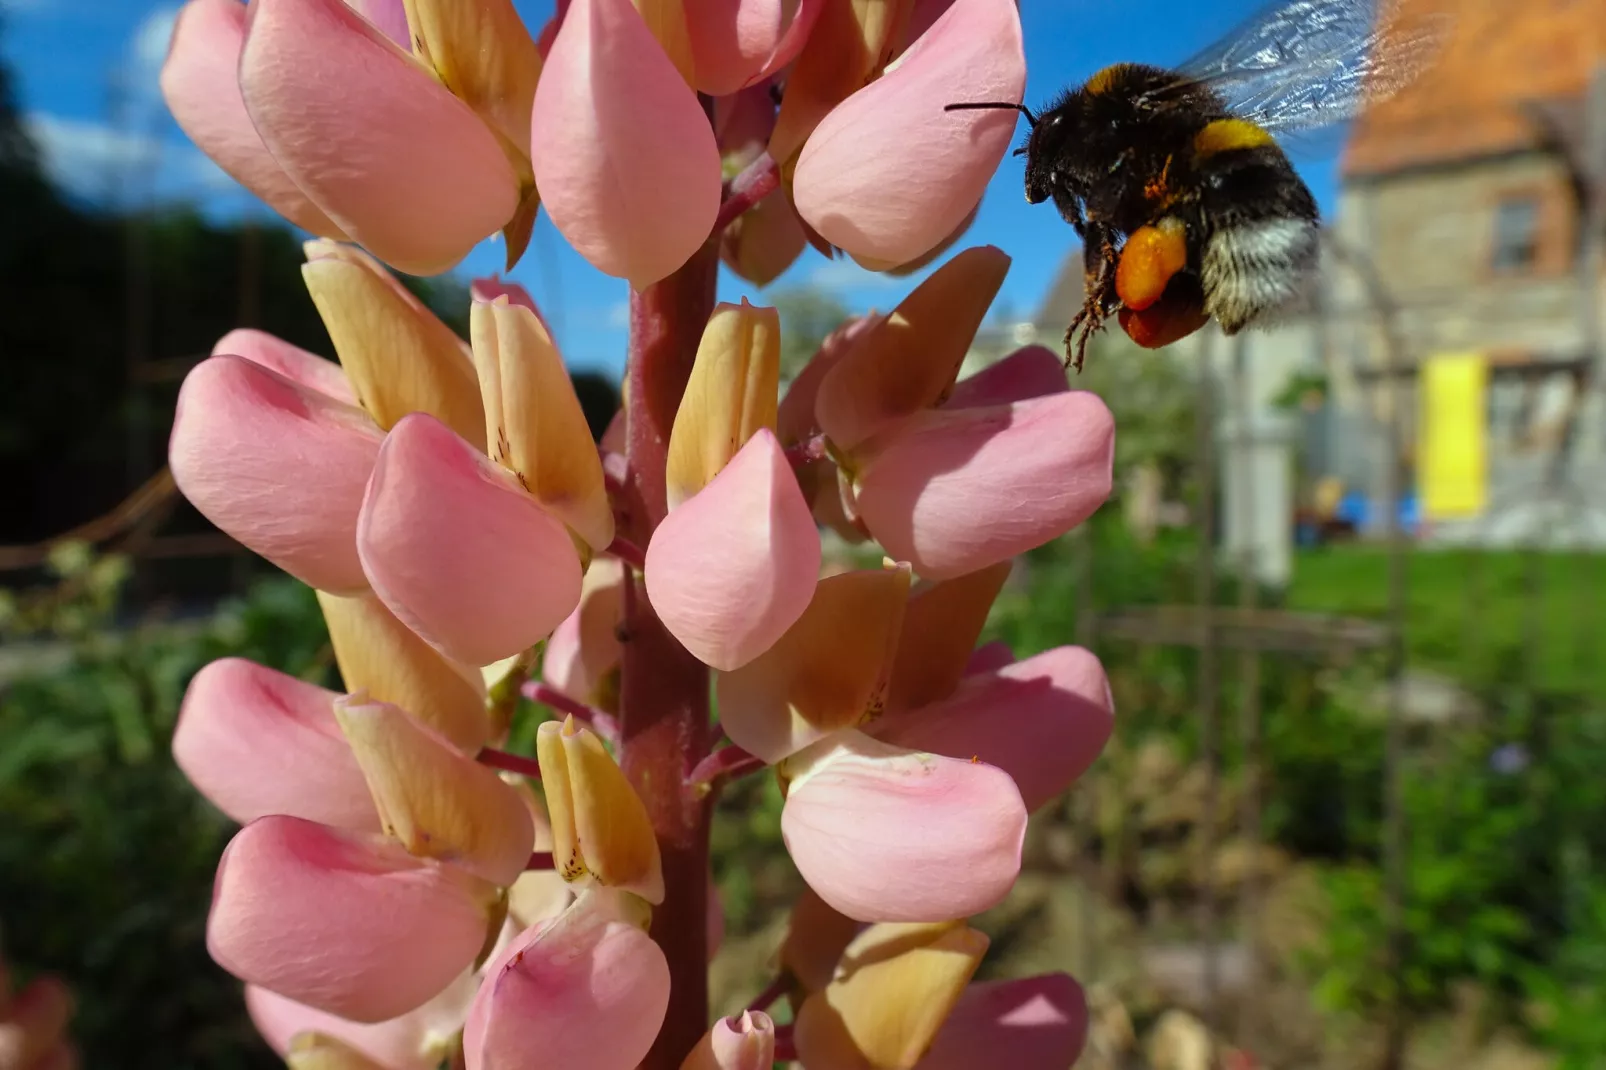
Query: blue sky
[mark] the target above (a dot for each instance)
(86, 73)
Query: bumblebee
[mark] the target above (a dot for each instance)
(1188, 207)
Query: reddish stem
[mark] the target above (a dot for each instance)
(772, 992)
(513, 763)
(601, 722)
(758, 180)
(627, 551)
(663, 689)
(785, 1046)
(726, 763)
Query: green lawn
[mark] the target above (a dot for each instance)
(1498, 617)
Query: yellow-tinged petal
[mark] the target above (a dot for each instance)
(438, 802)
(667, 21)
(376, 653)
(892, 991)
(911, 360)
(319, 1051)
(852, 40)
(732, 393)
(940, 629)
(483, 53)
(533, 420)
(399, 356)
(599, 826)
(816, 935)
(828, 672)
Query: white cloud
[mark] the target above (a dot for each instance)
(100, 163)
(147, 48)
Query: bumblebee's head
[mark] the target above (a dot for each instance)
(1036, 174)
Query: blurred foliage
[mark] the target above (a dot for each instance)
(808, 315)
(75, 428)
(108, 855)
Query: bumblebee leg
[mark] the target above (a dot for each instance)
(1100, 300)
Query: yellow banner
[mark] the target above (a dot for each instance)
(1453, 456)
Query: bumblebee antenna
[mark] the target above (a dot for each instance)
(995, 106)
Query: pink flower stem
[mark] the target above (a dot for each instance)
(663, 701)
(513, 763)
(726, 763)
(757, 181)
(601, 722)
(807, 452)
(772, 992)
(785, 1046)
(540, 860)
(628, 552)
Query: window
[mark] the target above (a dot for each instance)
(1516, 233)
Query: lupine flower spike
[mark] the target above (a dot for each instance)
(482, 839)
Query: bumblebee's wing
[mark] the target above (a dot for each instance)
(1305, 64)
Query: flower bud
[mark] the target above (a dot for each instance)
(399, 356)
(734, 567)
(893, 991)
(731, 394)
(201, 84)
(1043, 721)
(851, 183)
(435, 800)
(600, 828)
(350, 924)
(886, 834)
(828, 672)
(623, 153)
(255, 741)
(379, 655)
(739, 1042)
(588, 988)
(534, 422)
(420, 179)
(278, 466)
(908, 363)
(462, 554)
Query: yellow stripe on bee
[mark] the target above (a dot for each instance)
(1224, 135)
(1103, 80)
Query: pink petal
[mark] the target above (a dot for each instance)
(418, 1040)
(743, 1041)
(734, 567)
(884, 834)
(1035, 1023)
(990, 657)
(389, 17)
(888, 174)
(585, 648)
(738, 42)
(255, 742)
(459, 551)
(406, 169)
(349, 924)
(292, 362)
(201, 86)
(1043, 721)
(277, 466)
(623, 154)
(953, 491)
(1032, 372)
(588, 989)
(795, 418)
